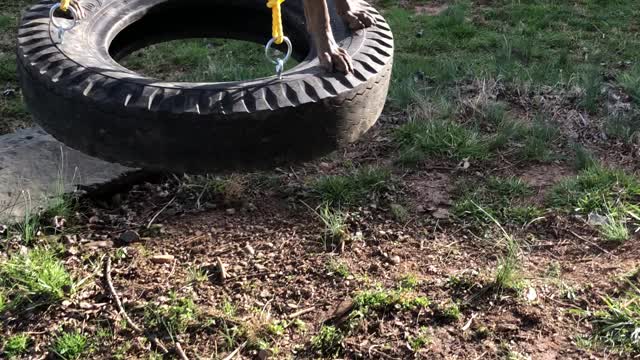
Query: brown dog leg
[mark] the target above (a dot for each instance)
(331, 56)
(356, 17)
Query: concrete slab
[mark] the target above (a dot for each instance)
(35, 166)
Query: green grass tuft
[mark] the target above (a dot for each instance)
(362, 185)
(502, 198)
(618, 326)
(440, 138)
(36, 276)
(71, 345)
(328, 341)
(596, 189)
(16, 345)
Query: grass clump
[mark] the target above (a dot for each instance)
(361, 185)
(336, 230)
(328, 341)
(71, 345)
(338, 268)
(502, 198)
(624, 127)
(508, 276)
(537, 142)
(599, 190)
(36, 276)
(418, 140)
(422, 339)
(16, 345)
(617, 327)
(174, 318)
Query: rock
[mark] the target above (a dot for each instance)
(67, 239)
(260, 267)
(420, 209)
(129, 237)
(249, 250)
(33, 155)
(441, 213)
(162, 259)
(99, 244)
(597, 220)
(394, 259)
(231, 211)
(264, 354)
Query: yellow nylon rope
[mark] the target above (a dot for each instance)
(64, 5)
(277, 28)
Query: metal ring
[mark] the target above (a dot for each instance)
(286, 57)
(58, 25)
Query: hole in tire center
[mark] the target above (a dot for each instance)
(203, 60)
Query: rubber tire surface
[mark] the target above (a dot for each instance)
(81, 95)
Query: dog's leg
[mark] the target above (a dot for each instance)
(331, 56)
(353, 15)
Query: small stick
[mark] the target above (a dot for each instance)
(221, 270)
(123, 313)
(235, 352)
(160, 212)
(591, 243)
(301, 312)
(183, 356)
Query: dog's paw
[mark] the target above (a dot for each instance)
(336, 59)
(358, 19)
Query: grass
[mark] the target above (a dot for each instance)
(338, 268)
(421, 340)
(624, 127)
(537, 142)
(508, 275)
(37, 277)
(173, 318)
(71, 345)
(201, 60)
(335, 228)
(419, 140)
(357, 187)
(596, 189)
(328, 341)
(504, 199)
(16, 345)
(617, 326)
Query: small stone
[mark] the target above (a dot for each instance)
(67, 239)
(162, 259)
(249, 250)
(264, 354)
(420, 209)
(99, 244)
(265, 294)
(260, 267)
(231, 211)
(129, 236)
(441, 214)
(394, 259)
(94, 220)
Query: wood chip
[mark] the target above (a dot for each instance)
(162, 259)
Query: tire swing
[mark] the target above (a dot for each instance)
(78, 92)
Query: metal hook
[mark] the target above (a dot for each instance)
(61, 29)
(279, 62)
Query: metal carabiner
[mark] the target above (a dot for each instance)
(61, 29)
(278, 62)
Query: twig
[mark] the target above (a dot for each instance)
(235, 352)
(371, 350)
(301, 312)
(160, 212)
(592, 243)
(221, 271)
(116, 298)
(180, 352)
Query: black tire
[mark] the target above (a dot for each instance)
(79, 93)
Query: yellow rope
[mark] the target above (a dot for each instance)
(277, 28)
(64, 5)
